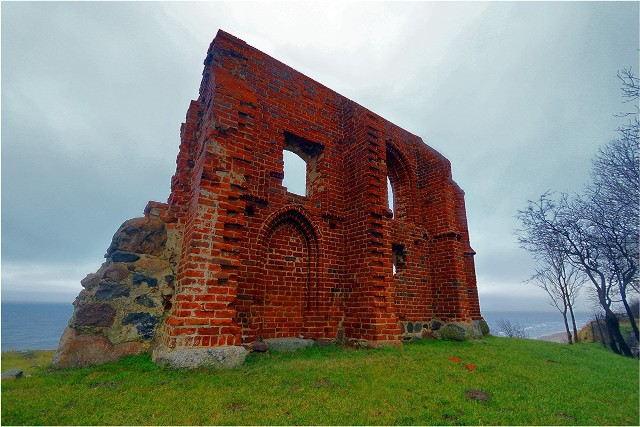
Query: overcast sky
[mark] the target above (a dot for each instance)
(518, 96)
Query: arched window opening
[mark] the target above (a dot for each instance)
(301, 171)
(295, 173)
(399, 187)
(390, 196)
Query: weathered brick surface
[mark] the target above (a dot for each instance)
(260, 262)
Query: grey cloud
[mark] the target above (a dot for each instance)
(91, 117)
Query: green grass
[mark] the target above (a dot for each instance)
(529, 382)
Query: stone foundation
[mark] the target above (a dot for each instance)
(223, 357)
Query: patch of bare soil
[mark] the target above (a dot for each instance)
(479, 395)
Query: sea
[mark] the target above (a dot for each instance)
(33, 325)
(38, 326)
(535, 324)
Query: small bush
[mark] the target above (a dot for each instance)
(512, 330)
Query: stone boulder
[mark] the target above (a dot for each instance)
(12, 374)
(83, 350)
(481, 328)
(454, 332)
(140, 236)
(260, 347)
(95, 315)
(223, 357)
(459, 331)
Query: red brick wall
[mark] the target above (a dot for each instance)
(260, 262)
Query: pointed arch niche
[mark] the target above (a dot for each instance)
(289, 275)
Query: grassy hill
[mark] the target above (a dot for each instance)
(498, 381)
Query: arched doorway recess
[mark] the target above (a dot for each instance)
(289, 279)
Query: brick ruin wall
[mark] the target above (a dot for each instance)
(238, 259)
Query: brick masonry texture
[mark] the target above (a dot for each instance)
(253, 261)
(260, 262)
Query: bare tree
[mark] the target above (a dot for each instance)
(596, 232)
(614, 200)
(554, 273)
(630, 87)
(613, 209)
(566, 226)
(562, 282)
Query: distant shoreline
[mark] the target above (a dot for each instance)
(559, 337)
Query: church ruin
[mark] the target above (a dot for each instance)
(233, 258)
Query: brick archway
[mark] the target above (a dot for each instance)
(289, 275)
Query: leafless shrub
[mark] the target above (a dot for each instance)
(511, 330)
